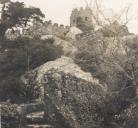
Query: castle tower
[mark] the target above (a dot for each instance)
(82, 18)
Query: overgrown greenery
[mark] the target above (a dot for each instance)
(16, 13)
(117, 69)
(9, 115)
(22, 55)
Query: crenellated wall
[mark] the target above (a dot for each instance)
(49, 28)
(81, 18)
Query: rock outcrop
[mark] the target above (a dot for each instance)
(70, 95)
(73, 32)
(67, 47)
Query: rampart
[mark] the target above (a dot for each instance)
(49, 28)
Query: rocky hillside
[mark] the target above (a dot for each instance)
(70, 95)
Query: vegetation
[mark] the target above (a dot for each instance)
(113, 60)
(9, 115)
(22, 55)
(16, 13)
(110, 58)
(116, 68)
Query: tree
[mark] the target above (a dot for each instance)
(113, 29)
(113, 60)
(16, 13)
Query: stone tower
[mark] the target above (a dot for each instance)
(82, 18)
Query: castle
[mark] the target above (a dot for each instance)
(82, 18)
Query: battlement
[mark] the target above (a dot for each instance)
(81, 10)
(55, 25)
(80, 18)
(49, 28)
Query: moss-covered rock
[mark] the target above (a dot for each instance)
(70, 95)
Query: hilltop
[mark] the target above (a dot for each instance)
(73, 76)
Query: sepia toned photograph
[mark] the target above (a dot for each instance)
(68, 63)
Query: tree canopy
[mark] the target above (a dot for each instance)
(16, 13)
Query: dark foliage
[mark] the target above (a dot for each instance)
(118, 72)
(22, 55)
(9, 115)
(16, 13)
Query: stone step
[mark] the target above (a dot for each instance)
(39, 126)
(35, 115)
(35, 118)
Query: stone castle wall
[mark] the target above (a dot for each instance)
(39, 29)
(48, 28)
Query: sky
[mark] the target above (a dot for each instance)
(59, 10)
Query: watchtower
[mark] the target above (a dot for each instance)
(82, 18)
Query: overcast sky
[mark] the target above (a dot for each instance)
(59, 10)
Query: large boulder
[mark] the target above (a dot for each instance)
(67, 47)
(71, 95)
(73, 32)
